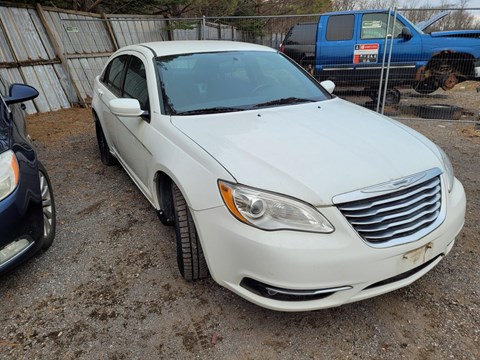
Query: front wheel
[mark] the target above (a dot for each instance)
(48, 208)
(190, 259)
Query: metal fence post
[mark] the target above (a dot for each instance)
(392, 36)
(380, 85)
(204, 25)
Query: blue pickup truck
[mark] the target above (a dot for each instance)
(349, 50)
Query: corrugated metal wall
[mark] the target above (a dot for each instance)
(27, 55)
(60, 52)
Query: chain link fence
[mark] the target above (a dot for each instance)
(366, 75)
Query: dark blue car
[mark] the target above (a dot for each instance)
(27, 209)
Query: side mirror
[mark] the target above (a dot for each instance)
(126, 108)
(20, 93)
(406, 34)
(328, 85)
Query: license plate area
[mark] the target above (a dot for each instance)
(417, 257)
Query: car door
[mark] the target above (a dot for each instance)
(110, 87)
(131, 133)
(370, 47)
(334, 48)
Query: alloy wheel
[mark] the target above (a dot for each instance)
(46, 205)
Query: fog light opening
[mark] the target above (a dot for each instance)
(280, 294)
(13, 249)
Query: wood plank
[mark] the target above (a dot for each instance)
(57, 50)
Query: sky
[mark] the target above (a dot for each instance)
(471, 3)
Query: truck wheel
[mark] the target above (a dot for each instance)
(426, 86)
(190, 259)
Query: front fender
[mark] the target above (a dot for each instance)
(193, 170)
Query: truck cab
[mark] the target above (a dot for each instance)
(350, 49)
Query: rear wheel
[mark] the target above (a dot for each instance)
(426, 86)
(105, 154)
(190, 259)
(48, 208)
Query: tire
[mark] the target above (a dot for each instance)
(440, 111)
(190, 259)
(393, 97)
(427, 86)
(48, 208)
(105, 154)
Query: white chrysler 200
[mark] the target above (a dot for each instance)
(285, 194)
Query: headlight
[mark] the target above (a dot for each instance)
(268, 211)
(8, 173)
(448, 168)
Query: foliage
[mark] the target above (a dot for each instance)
(192, 8)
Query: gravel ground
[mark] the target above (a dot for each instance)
(109, 287)
(465, 97)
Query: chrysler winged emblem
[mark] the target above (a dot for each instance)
(396, 184)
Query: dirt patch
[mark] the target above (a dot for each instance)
(109, 287)
(472, 133)
(55, 127)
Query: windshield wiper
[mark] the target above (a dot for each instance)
(284, 101)
(214, 110)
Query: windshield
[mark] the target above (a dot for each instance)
(233, 81)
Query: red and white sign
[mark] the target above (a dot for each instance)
(365, 53)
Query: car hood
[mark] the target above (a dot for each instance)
(425, 24)
(457, 33)
(310, 151)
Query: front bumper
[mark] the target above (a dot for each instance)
(306, 262)
(477, 69)
(21, 217)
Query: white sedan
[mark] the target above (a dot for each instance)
(285, 194)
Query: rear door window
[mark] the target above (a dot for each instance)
(302, 34)
(340, 27)
(113, 76)
(136, 82)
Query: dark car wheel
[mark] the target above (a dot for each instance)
(48, 207)
(105, 154)
(190, 259)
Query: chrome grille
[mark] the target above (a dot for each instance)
(399, 216)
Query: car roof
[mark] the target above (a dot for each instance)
(163, 48)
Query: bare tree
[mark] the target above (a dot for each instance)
(343, 5)
(458, 19)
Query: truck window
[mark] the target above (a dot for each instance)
(374, 26)
(340, 27)
(302, 34)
